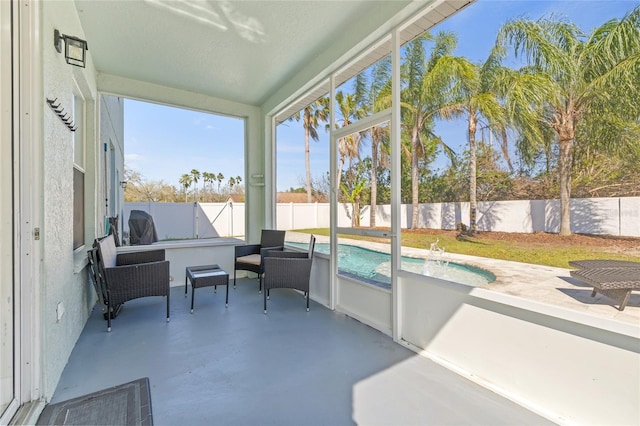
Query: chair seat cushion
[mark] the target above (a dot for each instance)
(253, 259)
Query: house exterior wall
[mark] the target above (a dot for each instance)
(67, 297)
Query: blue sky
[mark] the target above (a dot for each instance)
(162, 143)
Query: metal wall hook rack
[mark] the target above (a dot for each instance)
(57, 108)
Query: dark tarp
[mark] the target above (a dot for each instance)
(141, 228)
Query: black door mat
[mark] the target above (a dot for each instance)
(126, 404)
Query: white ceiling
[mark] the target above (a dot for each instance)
(237, 50)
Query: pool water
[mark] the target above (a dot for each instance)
(374, 267)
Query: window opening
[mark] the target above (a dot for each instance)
(186, 169)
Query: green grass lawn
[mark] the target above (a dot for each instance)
(539, 253)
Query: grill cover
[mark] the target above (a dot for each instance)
(141, 228)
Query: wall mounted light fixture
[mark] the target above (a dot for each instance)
(75, 51)
(123, 184)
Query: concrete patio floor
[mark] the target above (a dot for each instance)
(237, 366)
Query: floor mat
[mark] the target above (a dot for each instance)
(126, 404)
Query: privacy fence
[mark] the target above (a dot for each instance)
(598, 216)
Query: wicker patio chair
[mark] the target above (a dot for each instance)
(127, 276)
(250, 257)
(288, 269)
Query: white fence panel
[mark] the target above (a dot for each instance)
(598, 216)
(505, 216)
(227, 219)
(538, 218)
(383, 215)
(172, 220)
(630, 216)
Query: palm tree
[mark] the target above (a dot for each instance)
(207, 178)
(220, 178)
(185, 181)
(573, 79)
(378, 95)
(348, 146)
(312, 115)
(475, 92)
(195, 174)
(425, 98)
(207, 182)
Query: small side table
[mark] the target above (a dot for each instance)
(206, 276)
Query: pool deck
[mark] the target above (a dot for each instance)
(544, 284)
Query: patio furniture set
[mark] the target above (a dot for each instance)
(615, 279)
(118, 278)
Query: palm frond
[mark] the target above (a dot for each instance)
(548, 45)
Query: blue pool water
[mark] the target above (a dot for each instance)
(374, 267)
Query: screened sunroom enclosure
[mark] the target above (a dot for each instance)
(203, 56)
(463, 327)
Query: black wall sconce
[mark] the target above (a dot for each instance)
(75, 51)
(123, 184)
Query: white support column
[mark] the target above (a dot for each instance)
(396, 309)
(333, 198)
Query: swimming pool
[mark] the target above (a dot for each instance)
(374, 267)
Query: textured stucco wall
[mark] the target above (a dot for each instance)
(64, 279)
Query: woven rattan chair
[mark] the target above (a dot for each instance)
(250, 257)
(127, 276)
(288, 269)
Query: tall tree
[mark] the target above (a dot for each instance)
(195, 175)
(475, 91)
(208, 178)
(186, 180)
(220, 178)
(348, 146)
(377, 100)
(312, 115)
(425, 97)
(570, 80)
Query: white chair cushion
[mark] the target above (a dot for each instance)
(253, 259)
(108, 252)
